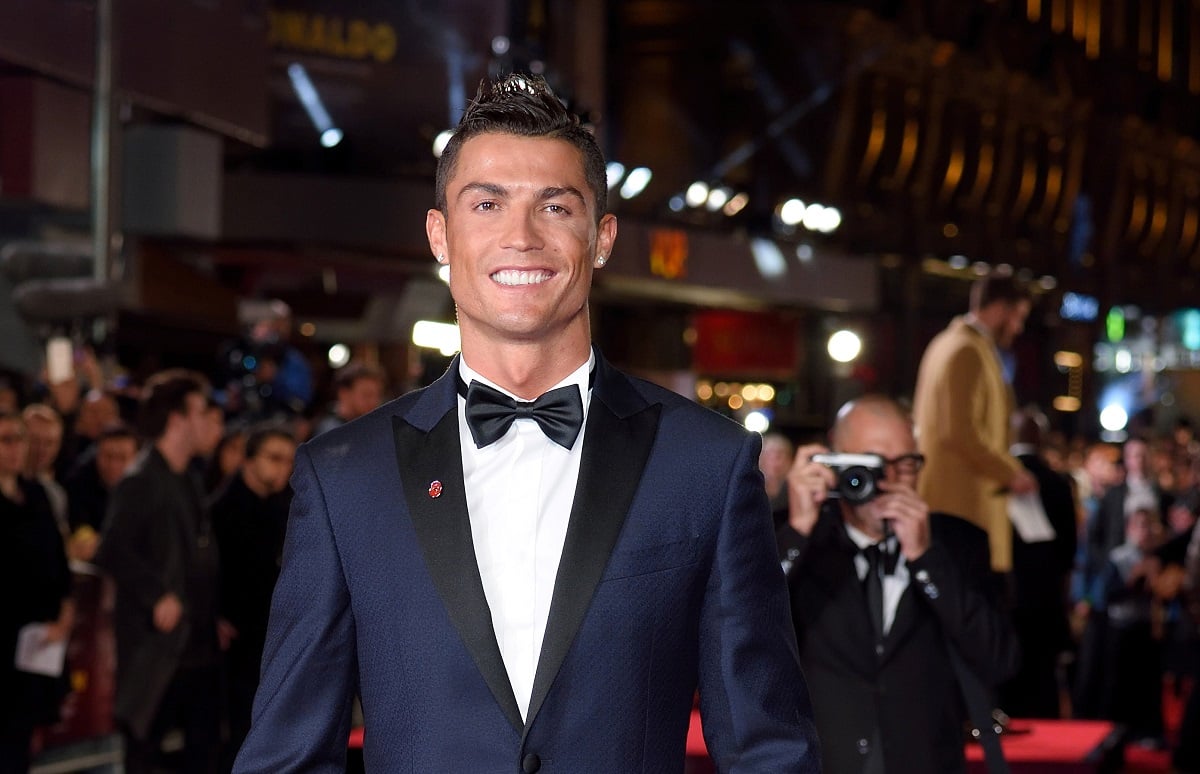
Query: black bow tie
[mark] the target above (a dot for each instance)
(490, 413)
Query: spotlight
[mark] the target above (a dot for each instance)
(331, 137)
(307, 93)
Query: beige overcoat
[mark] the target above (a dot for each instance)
(961, 408)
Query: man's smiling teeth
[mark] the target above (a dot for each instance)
(515, 277)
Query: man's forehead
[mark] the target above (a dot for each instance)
(491, 150)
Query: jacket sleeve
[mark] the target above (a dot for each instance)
(301, 717)
(952, 578)
(753, 699)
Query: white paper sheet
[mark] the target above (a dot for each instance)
(36, 655)
(1029, 518)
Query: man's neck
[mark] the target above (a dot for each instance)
(254, 485)
(527, 371)
(981, 325)
(176, 454)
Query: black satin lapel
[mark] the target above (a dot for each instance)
(615, 451)
(443, 529)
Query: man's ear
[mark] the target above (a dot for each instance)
(435, 232)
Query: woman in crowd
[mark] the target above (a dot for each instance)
(35, 585)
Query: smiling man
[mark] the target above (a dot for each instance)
(534, 563)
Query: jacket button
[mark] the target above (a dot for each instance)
(864, 747)
(530, 764)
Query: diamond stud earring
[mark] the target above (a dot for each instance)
(600, 260)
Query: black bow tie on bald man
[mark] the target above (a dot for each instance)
(490, 413)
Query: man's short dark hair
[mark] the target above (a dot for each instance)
(165, 393)
(118, 431)
(998, 287)
(259, 434)
(345, 378)
(523, 106)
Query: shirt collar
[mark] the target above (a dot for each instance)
(858, 537)
(973, 322)
(580, 377)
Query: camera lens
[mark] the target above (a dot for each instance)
(857, 484)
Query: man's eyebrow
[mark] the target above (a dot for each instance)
(565, 190)
(487, 188)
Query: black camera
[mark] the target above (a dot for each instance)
(858, 475)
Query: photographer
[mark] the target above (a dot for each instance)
(874, 647)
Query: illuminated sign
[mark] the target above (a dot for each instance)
(334, 36)
(668, 253)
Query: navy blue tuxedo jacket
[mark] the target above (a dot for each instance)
(668, 582)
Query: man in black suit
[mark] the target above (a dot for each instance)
(158, 548)
(249, 515)
(1039, 576)
(884, 695)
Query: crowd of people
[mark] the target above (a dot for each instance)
(182, 501)
(488, 571)
(1083, 603)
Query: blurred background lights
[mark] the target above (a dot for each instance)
(736, 204)
(339, 355)
(757, 421)
(844, 346)
(697, 194)
(444, 273)
(717, 198)
(768, 258)
(614, 172)
(1113, 418)
(439, 142)
(636, 182)
(829, 221)
(813, 214)
(792, 212)
(443, 337)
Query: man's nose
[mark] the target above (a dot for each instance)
(521, 232)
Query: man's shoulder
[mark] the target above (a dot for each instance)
(363, 432)
(956, 532)
(684, 414)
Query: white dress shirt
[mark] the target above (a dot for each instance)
(519, 495)
(894, 583)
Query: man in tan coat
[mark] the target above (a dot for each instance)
(962, 408)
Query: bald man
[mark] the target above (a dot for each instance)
(884, 696)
